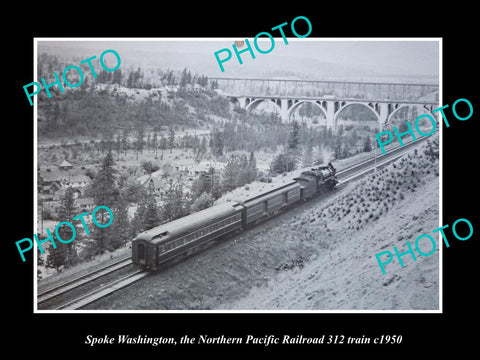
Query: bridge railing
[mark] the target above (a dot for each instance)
(337, 89)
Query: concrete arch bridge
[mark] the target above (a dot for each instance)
(384, 110)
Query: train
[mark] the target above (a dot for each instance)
(186, 235)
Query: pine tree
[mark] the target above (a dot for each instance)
(367, 145)
(216, 143)
(155, 143)
(294, 137)
(121, 226)
(308, 156)
(174, 204)
(125, 140)
(117, 76)
(231, 174)
(130, 80)
(138, 225)
(252, 167)
(151, 217)
(140, 132)
(204, 201)
(243, 177)
(283, 162)
(40, 262)
(184, 78)
(65, 254)
(118, 145)
(200, 185)
(105, 192)
(56, 258)
(149, 141)
(171, 139)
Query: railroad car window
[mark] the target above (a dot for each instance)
(285, 198)
(265, 207)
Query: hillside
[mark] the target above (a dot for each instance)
(316, 257)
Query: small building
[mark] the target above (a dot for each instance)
(78, 182)
(85, 203)
(65, 165)
(184, 165)
(205, 166)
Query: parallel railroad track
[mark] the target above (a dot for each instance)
(103, 291)
(55, 295)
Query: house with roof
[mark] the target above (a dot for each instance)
(85, 203)
(205, 166)
(65, 165)
(184, 165)
(78, 182)
(54, 180)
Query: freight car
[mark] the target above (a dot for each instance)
(185, 235)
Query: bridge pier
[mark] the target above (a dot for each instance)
(331, 115)
(241, 101)
(284, 110)
(384, 112)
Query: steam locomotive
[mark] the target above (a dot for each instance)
(184, 236)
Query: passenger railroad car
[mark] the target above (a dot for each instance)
(181, 236)
(268, 204)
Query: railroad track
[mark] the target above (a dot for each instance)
(53, 296)
(103, 291)
(345, 175)
(366, 166)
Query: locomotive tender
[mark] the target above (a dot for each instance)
(187, 234)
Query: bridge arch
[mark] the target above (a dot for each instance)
(295, 105)
(251, 105)
(425, 109)
(345, 104)
(235, 101)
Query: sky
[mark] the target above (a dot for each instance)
(387, 56)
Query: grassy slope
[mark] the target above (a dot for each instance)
(399, 204)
